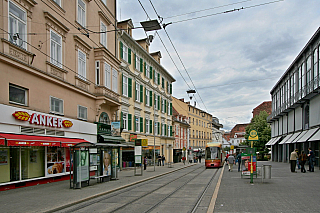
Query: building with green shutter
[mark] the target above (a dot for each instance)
(145, 96)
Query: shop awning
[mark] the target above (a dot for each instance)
(29, 140)
(2, 140)
(286, 139)
(275, 141)
(67, 142)
(307, 135)
(294, 136)
(315, 137)
(270, 141)
(299, 136)
(113, 139)
(35, 140)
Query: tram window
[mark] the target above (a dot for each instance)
(212, 153)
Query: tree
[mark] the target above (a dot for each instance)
(259, 123)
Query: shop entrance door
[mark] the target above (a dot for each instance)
(14, 164)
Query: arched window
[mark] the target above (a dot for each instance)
(104, 118)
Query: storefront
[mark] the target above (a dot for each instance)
(35, 147)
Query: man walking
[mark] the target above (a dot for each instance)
(231, 161)
(293, 160)
(159, 160)
(311, 159)
(239, 161)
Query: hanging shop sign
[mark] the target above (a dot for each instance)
(44, 120)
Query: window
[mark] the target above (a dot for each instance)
(137, 92)
(147, 70)
(315, 68)
(81, 13)
(56, 105)
(58, 2)
(163, 107)
(147, 97)
(125, 53)
(55, 49)
(162, 83)
(147, 125)
(18, 95)
(103, 34)
(97, 71)
(137, 63)
(155, 77)
(125, 86)
(155, 101)
(163, 129)
(107, 75)
(114, 80)
(137, 122)
(82, 112)
(125, 121)
(17, 25)
(81, 65)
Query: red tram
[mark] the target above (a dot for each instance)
(213, 155)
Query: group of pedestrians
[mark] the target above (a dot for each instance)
(301, 159)
(161, 159)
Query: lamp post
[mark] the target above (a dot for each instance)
(154, 137)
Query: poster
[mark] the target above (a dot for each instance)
(3, 157)
(115, 128)
(106, 168)
(84, 165)
(246, 163)
(55, 160)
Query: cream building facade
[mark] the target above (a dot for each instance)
(54, 68)
(146, 95)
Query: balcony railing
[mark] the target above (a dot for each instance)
(103, 91)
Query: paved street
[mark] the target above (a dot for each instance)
(285, 192)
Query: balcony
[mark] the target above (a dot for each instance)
(107, 94)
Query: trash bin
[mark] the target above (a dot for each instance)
(266, 171)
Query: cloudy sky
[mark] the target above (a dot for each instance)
(233, 59)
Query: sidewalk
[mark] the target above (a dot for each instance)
(45, 197)
(284, 192)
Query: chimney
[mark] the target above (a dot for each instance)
(157, 56)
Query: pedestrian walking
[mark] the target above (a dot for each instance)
(311, 160)
(159, 160)
(163, 159)
(293, 160)
(239, 161)
(231, 161)
(302, 161)
(298, 163)
(200, 158)
(145, 162)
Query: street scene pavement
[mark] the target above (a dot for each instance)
(284, 192)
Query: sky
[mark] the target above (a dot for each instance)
(232, 52)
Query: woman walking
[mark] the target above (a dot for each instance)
(302, 161)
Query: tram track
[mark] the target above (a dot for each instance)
(79, 206)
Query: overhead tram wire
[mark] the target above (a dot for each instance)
(179, 57)
(228, 11)
(166, 49)
(212, 8)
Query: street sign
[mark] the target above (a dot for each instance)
(144, 142)
(251, 151)
(232, 147)
(253, 135)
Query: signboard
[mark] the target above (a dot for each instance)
(253, 135)
(246, 163)
(104, 128)
(115, 129)
(43, 120)
(251, 151)
(232, 147)
(138, 151)
(133, 137)
(144, 142)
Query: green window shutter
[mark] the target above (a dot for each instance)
(130, 87)
(162, 82)
(135, 91)
(150, 126)
(141, 124)
(154, 100)
(171, 133)
(145, 124)
(150, 72)
(129, 122)
(161, 105)
(165, 129)
(158, 79)
(158, 126)
(134, 124)
(141, 65)
(165, 106)
(158, 102)
(145, 69)
(170, 108)
(170, 89)
(141, 94)
(129, 55)
(150, 98)
(134, 60)
(121, 119)
(121, 49)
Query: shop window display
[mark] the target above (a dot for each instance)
(55, 160)
(32, 162)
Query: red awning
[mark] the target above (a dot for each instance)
(1, 140)
(33, 140)
(67, 142)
